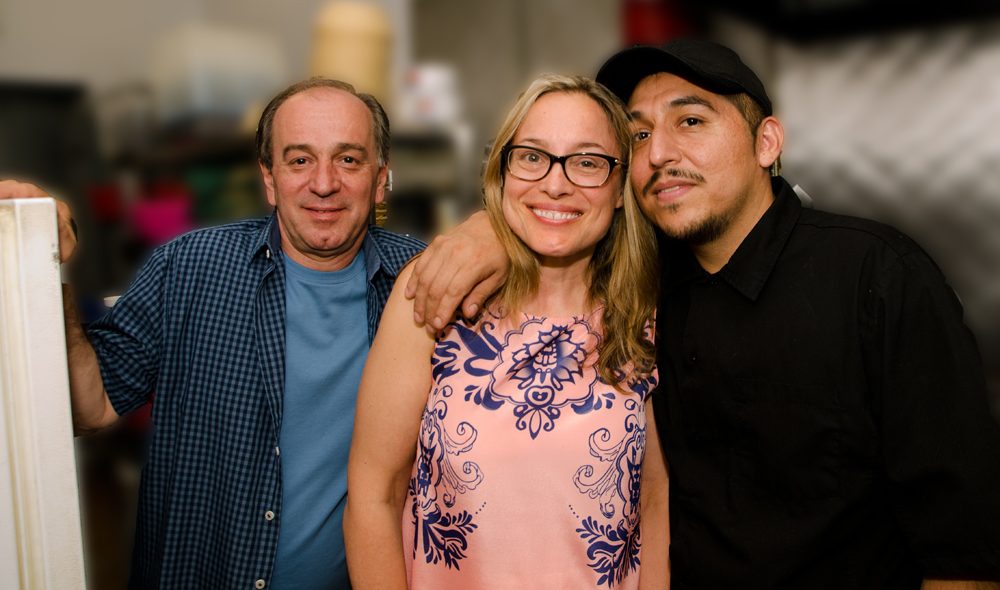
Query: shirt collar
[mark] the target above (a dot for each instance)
(754, 260)
(268, 240)
(373, 256)
(268, 244)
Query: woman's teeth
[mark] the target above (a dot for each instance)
(555, 215)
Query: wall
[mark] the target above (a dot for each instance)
(106, 43)
(496, 48)
(291, 22)
(101, 43)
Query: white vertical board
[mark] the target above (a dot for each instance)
(40, 538)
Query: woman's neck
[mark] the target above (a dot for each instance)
(562, 291)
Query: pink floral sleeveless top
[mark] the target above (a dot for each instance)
(527, 472)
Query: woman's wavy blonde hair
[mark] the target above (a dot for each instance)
(622, 271)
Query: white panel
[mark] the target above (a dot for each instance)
(40, 538)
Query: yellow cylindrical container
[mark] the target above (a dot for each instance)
(352, 41)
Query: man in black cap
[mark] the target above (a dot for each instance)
(822, 407)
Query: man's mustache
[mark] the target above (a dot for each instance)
(673, 173)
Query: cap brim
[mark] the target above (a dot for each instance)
(624, 70)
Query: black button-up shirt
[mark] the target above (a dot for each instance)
(824, 412)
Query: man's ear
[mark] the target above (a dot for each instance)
(770, 139)
(268, 178)
(382, 183)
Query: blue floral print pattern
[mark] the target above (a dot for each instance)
(533, 370)
(538, 372)
(614, 550)
(435, 483)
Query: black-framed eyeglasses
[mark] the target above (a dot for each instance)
(584, 169)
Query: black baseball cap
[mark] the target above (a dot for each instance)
(709, 65)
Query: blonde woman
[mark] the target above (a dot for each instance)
(514, 451)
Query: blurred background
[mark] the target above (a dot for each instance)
(141, 113)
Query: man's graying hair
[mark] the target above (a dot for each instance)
(380, 121)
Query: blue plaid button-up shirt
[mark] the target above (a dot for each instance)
(202, 325)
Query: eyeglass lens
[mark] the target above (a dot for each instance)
(586, 170)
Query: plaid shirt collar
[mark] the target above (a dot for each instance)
(268, 242)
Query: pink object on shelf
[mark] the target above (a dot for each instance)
(163, 216)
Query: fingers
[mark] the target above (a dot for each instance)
(451, 267)
(13, 189)
(429, 271)
(419, 264)
(475, 300)
(441, 304)
(67, 231)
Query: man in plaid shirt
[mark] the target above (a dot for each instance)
(253, 336)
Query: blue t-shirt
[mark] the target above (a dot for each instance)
(326, 340)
